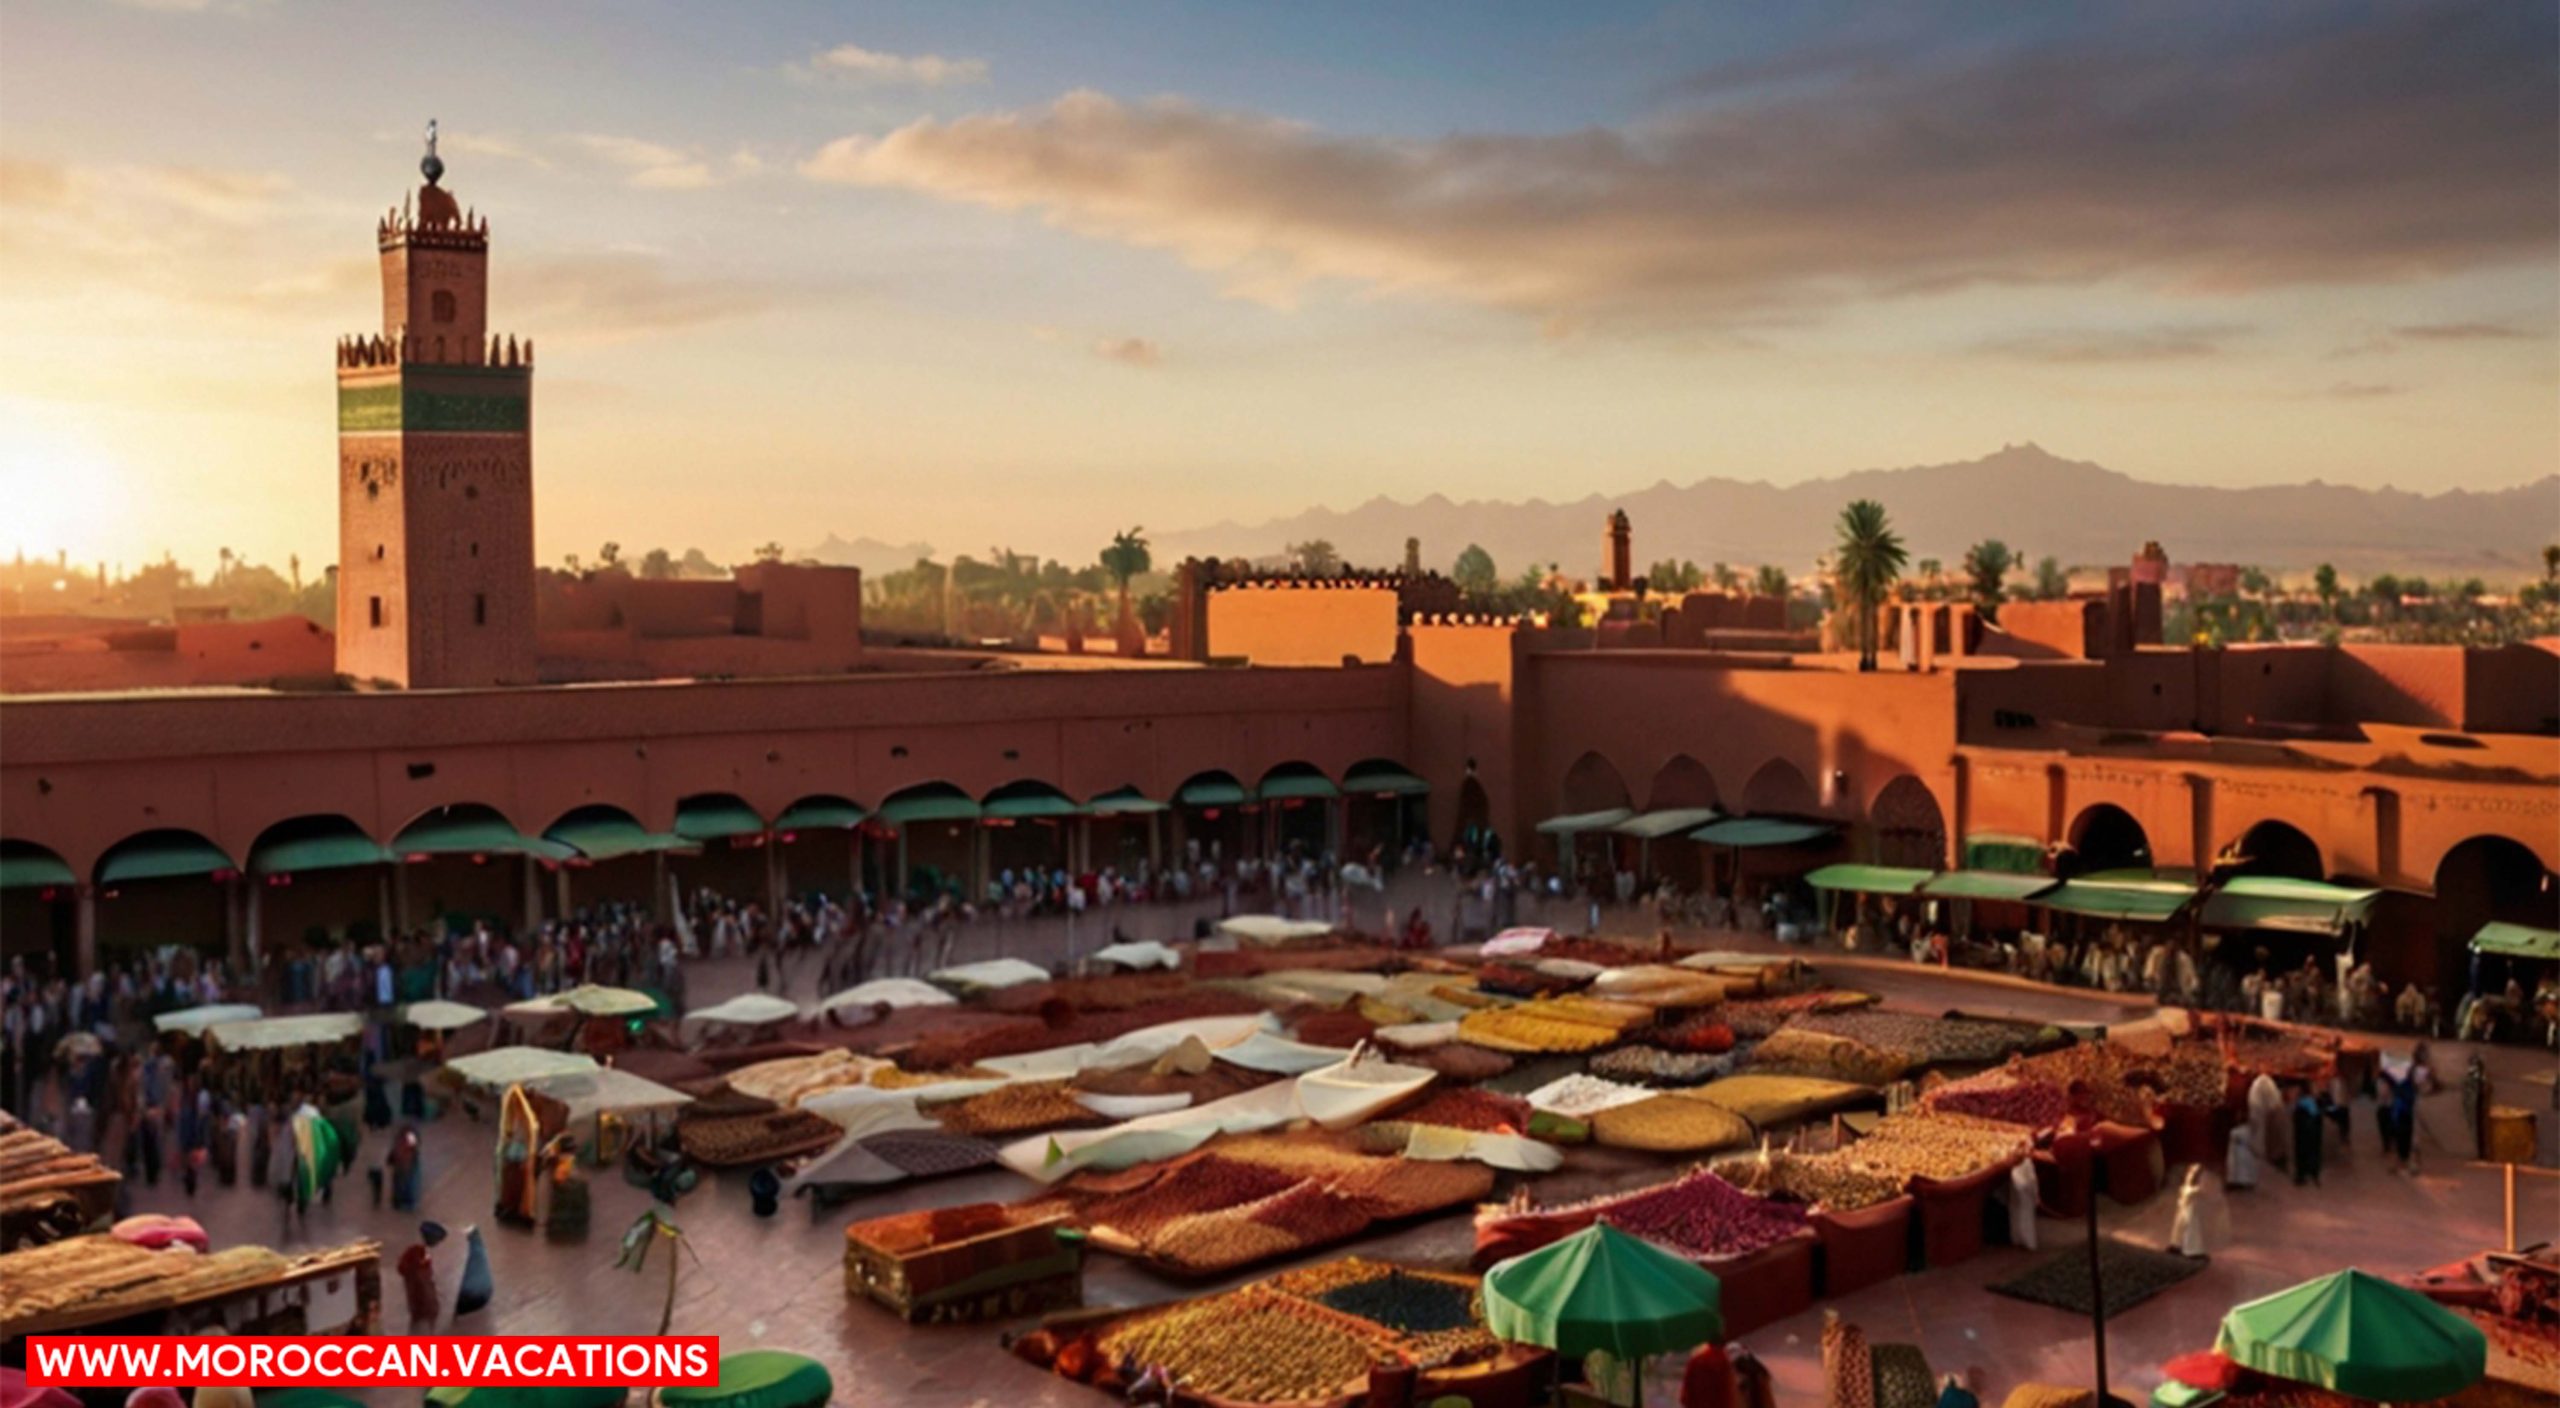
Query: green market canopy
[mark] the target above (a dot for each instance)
(1987, 885)
(1125, 801)
(31, 867)
(1287, 783)
(2359, 1335)
(716, 817)
(1653, 826)
(472, 831)
(932, 802)
(1868, 879)
(1992, 850)
(1753, 831)
(1573, 822)
(2517, 941)
(1383, 779)
(162, 855)
(2137, 901)
(1212, 790)
(321, 843)
(1603, 1289)
(759, 1378)
(820, 814)
(1022, 801)
(2295, 906)
(601, 833)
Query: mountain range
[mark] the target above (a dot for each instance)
(873, 556)
(2038, 503)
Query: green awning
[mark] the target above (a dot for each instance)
(2517, 941)
(163, 855)
(1653, 826)
(1603, 1289)
(1572, 823)
(715, 818)
(909, 808)
(339, 852)
(2294, 906)
(1987, 885)
(2139, 901)
(1297, 785)
(32, 870)
(473, 835)
(1868, 879)
(1212, 792)
(1760, 831)
(1992, 850)
(602, 837)
(1384, 778)
(1125, 802)
(1020, 806)
(819, 814)
(2360, 1335)
(759, 1378)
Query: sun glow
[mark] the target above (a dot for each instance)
(58, 491)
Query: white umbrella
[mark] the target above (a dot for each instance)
(438, 1015)
(992, 974)
(513, 1065)
(598, 1001)
(747, 1009)
(1138, 955)
(196, 1019)
(892, 992)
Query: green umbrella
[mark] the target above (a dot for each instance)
(2358, 1335)
(1601, 1289)
(759, 1378)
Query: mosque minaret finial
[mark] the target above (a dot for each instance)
(433, 166)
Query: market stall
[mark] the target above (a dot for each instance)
(100, 1284)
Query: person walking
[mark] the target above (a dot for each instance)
(2307, 1119)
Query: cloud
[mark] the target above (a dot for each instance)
(2307, 150)
(2364, 390)
(1129, 351)
(2098, 345)
(852, 63)
(618, 296)
(488, 144)
(2461, 332)
(649, 165)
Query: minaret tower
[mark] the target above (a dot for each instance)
(435, 464)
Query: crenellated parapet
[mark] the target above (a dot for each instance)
(365, 350)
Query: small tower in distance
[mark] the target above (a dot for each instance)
(435, 464)
(1618, 562)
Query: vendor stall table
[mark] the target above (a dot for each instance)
(2066, 1176)
(1863, 1247)
(2129, 1162)
(1952, 1213)
(1766, 1286)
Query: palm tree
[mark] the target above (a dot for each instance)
(1127, 557)
(2551, 562)
(1772, 581)
(2324, 584)
(1986, 565)
(1871, 556)
(645, 1233)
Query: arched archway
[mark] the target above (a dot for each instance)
(1385, 808)
(316, 882)
(1593, 784)
(1680, 783)
(1027, 826)
(1779, 788)
(2107, 837)
(1475, 833)
(2273, 848)
(616, 859)
(37, 890)
(164, 887)
(2483, 879)
(464, 864)
(820, 843)
(1210, 814)
(1910, 828)
(937, 840)
(1299, 804)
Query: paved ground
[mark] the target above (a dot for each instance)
(778, 1282)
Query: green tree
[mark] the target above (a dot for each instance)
(1772, 581)
(1316, 557)
(657, 565)
(1125, 559)
(1870, 560)
(1670, 578)
(1474, 572)
(2551, 563)
(2324, 585)
(1986, 570)
(609, 556)
(770, 552)
(2052, 583)
(1932, 576)
(1726, 578)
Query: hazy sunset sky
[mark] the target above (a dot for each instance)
(1021, 273)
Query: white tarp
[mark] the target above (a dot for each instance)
(993, 974)
(196, 1019)
(1267, 929)
(1569, 969)
(1439, 1144)
(1511, 943)
(1130, 1107)
(438, 1015)
(1358, 1086)
(597, 1000)
(1050, 1157)
(514, 1065)
(890, 992)
(1418, 1036)
(1138, 956)
(276, 1033)
(1321, 986)
(1132, 1049)
(604, 1089)
(1580, 1097)
(747, 1009)
(1271, 1052)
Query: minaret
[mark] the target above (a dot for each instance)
(1618, 562)
(435, 464)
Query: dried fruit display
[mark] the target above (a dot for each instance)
(1756, 1017)
(1671, 1124)
(1018, 1108)
(1924, 1040)
(2194, 1074)
(1651, 1065)
(1709, 1035)
(1944, 1147)
(1520, 980)
(1457, 1107)
(1602, 1012)
(1345, 1029)
(1409, 1304)
(1600, 951)
(1392, 1188)
(731, 1141)
(892, 1078)
(1771, 1102)
(1533, 1027)
(2002, 1095)
(1252, 1346)
(1303, 1215)
(1701, 1215)
(1461, 1061)
(1797, 1051)
(1821, 1182)
(2108, 1074)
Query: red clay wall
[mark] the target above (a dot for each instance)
(1312, 624)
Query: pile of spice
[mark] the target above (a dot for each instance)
(1926, 1040)
(2002, 1095)
(1252, 1346)
(1822, 1182)
(1670, 1124)
(1944, 1147)
(1016, 1108)
(1652, 1065)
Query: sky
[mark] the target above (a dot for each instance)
(1021, 274)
